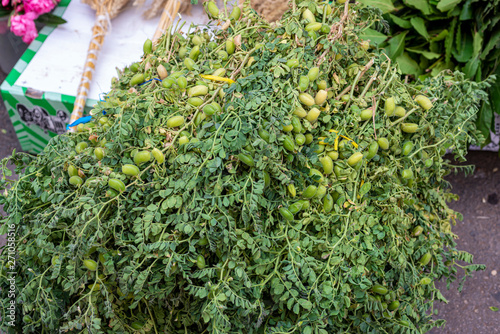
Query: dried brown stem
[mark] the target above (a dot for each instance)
(347, 89)
(235, 73)
(340, 26)
(372, 79)
(374, 109)
(167, 17)
(171, 51)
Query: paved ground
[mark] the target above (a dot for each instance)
(479, 233)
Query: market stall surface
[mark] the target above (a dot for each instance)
(479, 233)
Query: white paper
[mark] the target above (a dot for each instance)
(57, 67)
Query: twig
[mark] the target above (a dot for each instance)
(340, 26)
(343, 92)
(233, 76)
(388, 82)
(372, 79)
(403, 118)
(168, 15)
(176, 31)
(360, 74)
(297, 41)
(374, 110)
(388, 67)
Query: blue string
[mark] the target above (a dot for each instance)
(86, 119)
(81, 120)
(145, 82)
(100, 98)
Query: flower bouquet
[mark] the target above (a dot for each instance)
(24, 14)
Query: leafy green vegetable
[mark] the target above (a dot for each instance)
(373, 36)
(447, 34)
(397, 45)
(408, 65)
(419, 24)
(385, 5)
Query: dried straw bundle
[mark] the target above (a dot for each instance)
(172, 7)
(160, 6)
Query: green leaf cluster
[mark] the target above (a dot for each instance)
(429, 36)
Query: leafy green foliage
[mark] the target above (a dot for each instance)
(197, 243)
(445, 34)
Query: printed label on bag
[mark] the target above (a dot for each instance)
(41, 118)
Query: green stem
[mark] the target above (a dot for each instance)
(403, 118)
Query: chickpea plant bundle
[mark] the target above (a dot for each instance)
(253, 178)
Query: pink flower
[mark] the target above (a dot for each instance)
(24, 25)
(38, 7)
(5, 3)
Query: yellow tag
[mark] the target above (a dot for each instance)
(350, 140)
(216, 78)
(337, 140)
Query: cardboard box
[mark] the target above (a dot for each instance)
(39, 92)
